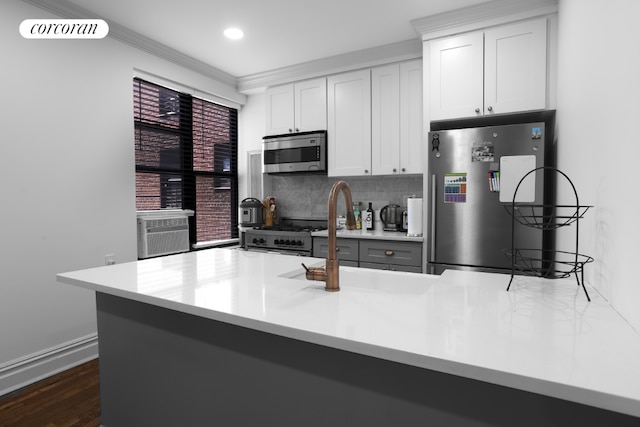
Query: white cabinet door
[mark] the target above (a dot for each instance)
(411, 125)
(500, 70)
(455, 76)
(296, 107)
(349, 124)
(515, 67)
(385, 120)
(279, 110)
(396, 112)
(310, 105)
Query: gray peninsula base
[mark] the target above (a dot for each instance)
(162, 367)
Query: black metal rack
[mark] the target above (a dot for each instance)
(547, 263)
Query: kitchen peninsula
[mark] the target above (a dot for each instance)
(229, 337)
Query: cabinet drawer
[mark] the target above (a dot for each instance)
(347, 248)
(391, 252)
(391, 267)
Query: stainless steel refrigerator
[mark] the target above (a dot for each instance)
(474, 167)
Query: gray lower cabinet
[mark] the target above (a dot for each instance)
(391, 255)
(347, 250)
(373, 253)
(391, 267)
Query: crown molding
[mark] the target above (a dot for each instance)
(123, 34)
(471, 18)
(482, 16)
(395, 52)
(254, 83)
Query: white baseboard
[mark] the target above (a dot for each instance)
(38, 366)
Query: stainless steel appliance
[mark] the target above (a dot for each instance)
(250, 212)
(392, 217)
(295, 152)
(468, 225)
(290, 238)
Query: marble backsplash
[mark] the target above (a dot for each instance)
(305, 196)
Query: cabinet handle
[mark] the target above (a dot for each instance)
(337, 248)
(389, 252)
(490, 108)
(477, 110)
(297, 130)
(395, 170)
(366, 171)
(404, 170)
(290, 130)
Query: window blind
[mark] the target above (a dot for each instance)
(186, 158)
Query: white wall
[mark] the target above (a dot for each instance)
(68, 199)
(598, 147)
(251, 129)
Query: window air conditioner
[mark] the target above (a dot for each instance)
(162, 236)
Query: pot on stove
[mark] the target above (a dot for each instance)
(250, 212)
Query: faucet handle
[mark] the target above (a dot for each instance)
(315, 273)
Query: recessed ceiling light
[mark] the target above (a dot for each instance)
(233, 33)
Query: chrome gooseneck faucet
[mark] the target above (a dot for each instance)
(329, 274)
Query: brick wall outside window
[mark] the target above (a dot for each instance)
(186, 151)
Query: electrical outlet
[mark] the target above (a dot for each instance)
(109, 259)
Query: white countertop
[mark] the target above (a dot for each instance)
(371, 234)
(542, 336)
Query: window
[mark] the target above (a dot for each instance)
(186, 158)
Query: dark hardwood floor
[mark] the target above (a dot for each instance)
(68, 399)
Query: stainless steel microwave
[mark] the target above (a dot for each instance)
(295, 152)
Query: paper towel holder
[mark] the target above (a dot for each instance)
(414, 217)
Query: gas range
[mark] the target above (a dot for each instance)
(292, 237)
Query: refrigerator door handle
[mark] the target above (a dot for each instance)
(432, 249)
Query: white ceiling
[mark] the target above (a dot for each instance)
(278, 33)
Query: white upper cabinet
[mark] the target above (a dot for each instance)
(498, 70)
(373, 117)
(296, 107)
(385, 120)
(349, 124)
(310, 105)
(279, 110)
(411, 117)
(515, 67)
(456, 76)
(396, 110)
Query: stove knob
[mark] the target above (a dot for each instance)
(299, 243)
(255, 240)
(288, 242)
(276, 242)
(261, 241)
